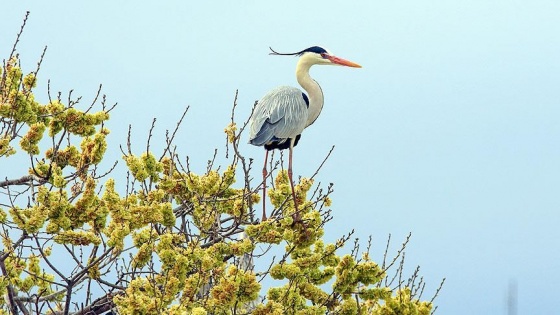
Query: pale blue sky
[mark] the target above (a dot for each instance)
(450, 130)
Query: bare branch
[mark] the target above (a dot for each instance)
(170, 139)
(25, 180)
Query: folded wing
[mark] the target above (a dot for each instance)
(280, 115)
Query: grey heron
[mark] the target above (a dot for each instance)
(283, 113)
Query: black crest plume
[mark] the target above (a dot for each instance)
(314, 49)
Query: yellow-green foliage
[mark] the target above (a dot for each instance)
(28, 119)
(17, 102)
(210, 194)
(71, 207)
(177, 276)
(402, 303)
(236, 286)
(72, 217)
(134, 212)
(93, 148)
(5, 148)
(77, 238)
(29, 142)
(230, 132)
(64, 157)
(312, 264)
(144, 167)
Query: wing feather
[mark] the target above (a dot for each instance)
(281, 114)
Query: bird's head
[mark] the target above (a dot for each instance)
(318, 56)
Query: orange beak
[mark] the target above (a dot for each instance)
(343, 62)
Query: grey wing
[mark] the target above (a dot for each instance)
(281, 114)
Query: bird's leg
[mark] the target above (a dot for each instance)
(265, 173)
(296, 215)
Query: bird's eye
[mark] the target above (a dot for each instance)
(325, 56)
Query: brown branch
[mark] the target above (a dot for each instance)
(25, 180)
(323, 163)
(99, 306)
(400, 253)
(16, 42)
(16, 244)
(85, 270)
(36, 299)
(10, 289)
(437, 291)
(170, 139)
(111, 285)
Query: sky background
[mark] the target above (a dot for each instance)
(449, 131)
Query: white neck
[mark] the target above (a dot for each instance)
(312, 88)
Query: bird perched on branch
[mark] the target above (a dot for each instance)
(283, 113)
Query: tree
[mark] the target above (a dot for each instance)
(170, 240)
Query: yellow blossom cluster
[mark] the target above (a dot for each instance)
(17, 103)
(210, 194)
(400, 303)
(133, 212)
(30, 140)
(144, 167)
(230, 132)
(184, 272)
